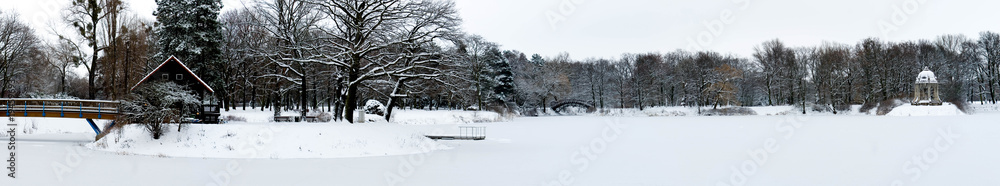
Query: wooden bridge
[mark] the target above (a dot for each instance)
(62, 108)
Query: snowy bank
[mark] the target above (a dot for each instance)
(439, 117)
(400, 116)
(947, 109)
(275, 141)
(660, 111)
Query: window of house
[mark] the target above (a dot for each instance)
(165, 76)
(180, 76)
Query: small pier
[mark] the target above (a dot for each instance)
(464, 133)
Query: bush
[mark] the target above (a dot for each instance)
(843, 107)
(867, 107)
(822, 108)
(734, 111)
(324, 117)
(961, 105)
(37, 95)
(138, 110)
(530, 112)
(234, 118)
(505, 109)
(886, 106)
(156, 103)
(374, 107)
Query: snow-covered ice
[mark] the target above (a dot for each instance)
(575, 150)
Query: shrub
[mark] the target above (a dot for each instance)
(734, 111)
(156, 103)
(961, 105)
(374, 107)
(886, 106)
(843, 107)
(868, 106)
(234, 118)
(37, 95)
(324, 117)
(821, 108)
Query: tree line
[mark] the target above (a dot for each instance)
(826, 78)
(329, 55)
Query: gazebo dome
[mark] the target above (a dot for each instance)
(926, 76)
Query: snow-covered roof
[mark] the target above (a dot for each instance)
(926, 76)
(172, 58)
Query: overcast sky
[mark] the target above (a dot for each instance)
(608, 28)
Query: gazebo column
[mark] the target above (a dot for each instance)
(916, 93)
(937, 94)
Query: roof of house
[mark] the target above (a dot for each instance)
(172, 58)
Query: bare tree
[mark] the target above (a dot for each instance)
(989, 44)
(829, 75)
(243, 36)
(65, 54)
(85, 16)
(17, 42)
(361, 33)
(478, 53)
(775, 58)
(290, 26)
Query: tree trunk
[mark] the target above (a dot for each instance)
(6, 81)
(351, 102)
(388, 110)
(392, 99)
(768, 86)
(302, 98)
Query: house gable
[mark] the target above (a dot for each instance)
(174, 70)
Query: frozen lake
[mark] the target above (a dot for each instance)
(585, 150)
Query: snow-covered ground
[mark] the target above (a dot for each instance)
(778, 149)
(423, 117)
(947, 109)
(258, 138)
(291, 140)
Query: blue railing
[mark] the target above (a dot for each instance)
(44, 107)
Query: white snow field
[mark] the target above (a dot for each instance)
(909, 110)
(552, 150)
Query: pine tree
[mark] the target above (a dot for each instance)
(503, 78)
(190, 31)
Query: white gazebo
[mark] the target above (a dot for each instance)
(925, 90)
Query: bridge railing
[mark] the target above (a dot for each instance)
(61, 107)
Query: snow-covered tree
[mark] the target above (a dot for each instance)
(18, 44)
(190, 31)
(480, 56)
(989, 45)
(503, 76)
(289, 26)
(243, 37)
(158, 102)
(362, 36)
(777, 62)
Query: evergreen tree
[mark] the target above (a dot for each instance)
(503, 77)
(190, 31)
(537, 59)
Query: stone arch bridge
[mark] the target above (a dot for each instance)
(560, 106)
